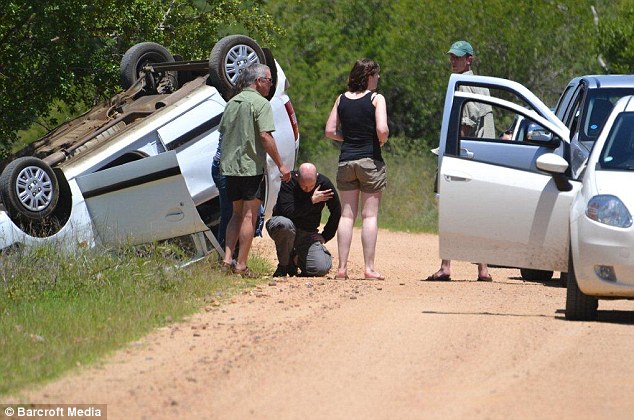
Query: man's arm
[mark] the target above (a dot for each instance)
(271, 149)
(285, 205)
(334, 207)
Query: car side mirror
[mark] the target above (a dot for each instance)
(551, 163)
(538, 135)
(536, 132)
(557, 167)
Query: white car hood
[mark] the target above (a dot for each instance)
(617, 183)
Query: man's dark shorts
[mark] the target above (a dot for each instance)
(245, 188)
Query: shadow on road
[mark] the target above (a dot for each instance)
(486, 313)
(609, 317)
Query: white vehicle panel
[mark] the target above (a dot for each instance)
(142, 201)
(502, 216)
(286, 146)
(195, 161)
(494, 205)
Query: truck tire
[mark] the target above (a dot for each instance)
(140, 55)
(228, 57)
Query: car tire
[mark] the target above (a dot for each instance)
(579, 306)
(227, 59)
(29, 189)
(563, 279)
(536, 275)
(142, 54)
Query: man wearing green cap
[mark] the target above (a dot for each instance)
(477, 118)
(477, 121)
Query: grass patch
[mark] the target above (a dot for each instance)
(58, 312)
(408, 202)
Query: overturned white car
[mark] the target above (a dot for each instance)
(138, 168)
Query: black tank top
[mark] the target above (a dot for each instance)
(358, 126)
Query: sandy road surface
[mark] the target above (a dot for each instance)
(398, 349)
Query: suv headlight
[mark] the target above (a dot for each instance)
(609, 210)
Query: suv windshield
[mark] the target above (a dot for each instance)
(599, 105)
(618, 152)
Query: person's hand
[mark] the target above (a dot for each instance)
(319, 195)
(317, 237)
(285, 173)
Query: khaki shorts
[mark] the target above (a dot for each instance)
(367, 175)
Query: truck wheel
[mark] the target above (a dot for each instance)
(536, 275)
(29, 189)
(228, 57)
(579, 307)
(140, 55)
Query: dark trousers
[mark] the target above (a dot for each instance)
(312, 256)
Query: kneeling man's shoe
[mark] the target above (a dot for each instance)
(281, 271)
(292, 269)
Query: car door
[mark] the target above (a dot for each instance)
(495, 206)
(142, 201)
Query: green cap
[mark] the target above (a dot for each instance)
(460, 48)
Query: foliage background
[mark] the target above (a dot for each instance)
(541, 44)
(59, 57)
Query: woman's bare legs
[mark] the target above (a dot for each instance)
(370, 230)
(349, 206)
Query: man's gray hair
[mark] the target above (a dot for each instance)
(250, 74)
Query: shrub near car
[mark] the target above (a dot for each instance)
(138, 168)
(519, 204)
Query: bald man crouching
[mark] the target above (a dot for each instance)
(295, 223)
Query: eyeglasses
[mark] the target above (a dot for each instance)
(268, 79)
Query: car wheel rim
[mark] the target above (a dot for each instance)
(238, 58)
(34, 188)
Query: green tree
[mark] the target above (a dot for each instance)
(541, 44)
(615, 41)
(69, 50)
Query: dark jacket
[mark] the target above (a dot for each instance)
(295, 204)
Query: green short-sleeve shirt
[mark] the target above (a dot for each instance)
(247, 115)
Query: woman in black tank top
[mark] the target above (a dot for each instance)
(359, 121)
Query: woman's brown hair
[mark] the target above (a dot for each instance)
(361, 71)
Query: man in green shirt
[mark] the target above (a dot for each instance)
(246, 128)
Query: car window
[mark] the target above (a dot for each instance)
(571, 117)
(484, 122)
(599, 104)
(618, 152)
(560, 109)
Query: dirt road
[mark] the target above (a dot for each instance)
(356, 349)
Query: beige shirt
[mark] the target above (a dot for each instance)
(477, 116)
